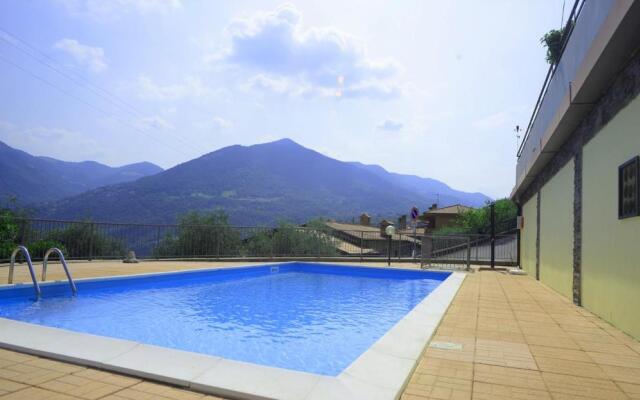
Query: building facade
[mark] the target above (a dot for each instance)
(436, 218)
(577, 179)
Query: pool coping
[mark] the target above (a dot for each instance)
(381, 372)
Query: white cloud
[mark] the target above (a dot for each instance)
(390, 125)
(100, 9)
(90, 57)
(190, 87)
(59, 143)
(218, 123)
(221, 123)
(154, 123)
(286, 58)
(493, 121)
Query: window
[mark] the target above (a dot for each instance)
(629, 188)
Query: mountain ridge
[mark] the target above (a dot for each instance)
(37, 179)
(256, 185)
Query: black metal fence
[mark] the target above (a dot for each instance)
(97, 240)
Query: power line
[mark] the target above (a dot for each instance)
(80, 80)
(85, 102)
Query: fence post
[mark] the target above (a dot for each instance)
(476, 246)
(518, 238)
(217, 245)
(361, 245)
(273, 245)
(91, 234)
(468, 253)
(157, 242)
(425, 254)
(493, 235)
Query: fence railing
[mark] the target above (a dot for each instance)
(98, 240)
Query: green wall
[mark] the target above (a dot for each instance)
(556, 231)
(528, 237)
(611, 247)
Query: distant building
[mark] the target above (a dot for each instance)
(371, 239)
(577, 174)
(365, 219)
(436, 218)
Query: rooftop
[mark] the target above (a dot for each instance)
(454, 209)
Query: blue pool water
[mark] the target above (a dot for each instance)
(306, 317)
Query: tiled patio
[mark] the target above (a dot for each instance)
(504, 337)
(521, 340)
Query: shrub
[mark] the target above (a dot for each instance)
(9, 230)
(82, 240)
(290, 240)
(201, 234)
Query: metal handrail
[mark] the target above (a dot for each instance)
(64, 266)
(25, 252)
(568, 29)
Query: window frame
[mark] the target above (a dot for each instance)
(634, 213)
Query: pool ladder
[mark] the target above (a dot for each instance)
(27, 256)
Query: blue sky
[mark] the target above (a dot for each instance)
(431, 88)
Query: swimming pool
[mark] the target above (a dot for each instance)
(314, 318)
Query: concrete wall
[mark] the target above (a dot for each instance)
(528, 237)
(556, 232)
(611, 247)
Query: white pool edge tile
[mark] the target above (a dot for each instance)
(381, 372)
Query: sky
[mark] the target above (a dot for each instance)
(430, 88)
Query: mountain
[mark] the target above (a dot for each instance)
(34, 179)
(438, 191)
(255, 185)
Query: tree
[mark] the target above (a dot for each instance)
(201, 234)
(291, 240)
(83, 240)
(478, 220)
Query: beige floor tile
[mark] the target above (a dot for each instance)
(107, 377)
(569, 367)
(514, 337)
(445, 368)
(162, 391)
(80, 387)
(506, 354)
(551, 341)
(599, 338)
(622, 374)
(612, 348)
(34, 393)
(488, 391)
(521, 378)
(621, 360)
(11, 357)
(592, 388)
(630, 389)
(7, 386)
(54, 365)
(563, 354)
(29, 374)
